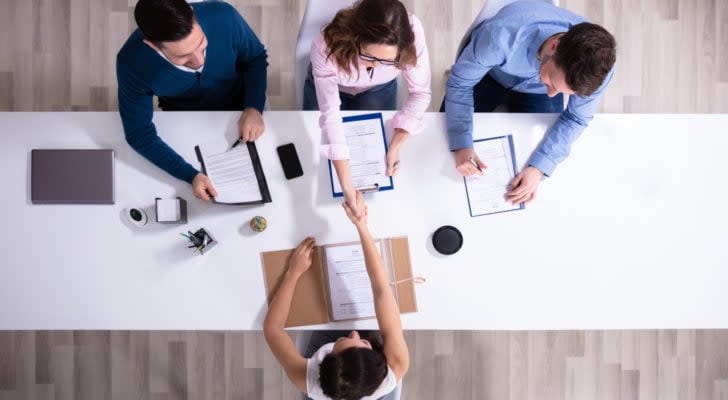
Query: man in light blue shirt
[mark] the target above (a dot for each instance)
(526, 57)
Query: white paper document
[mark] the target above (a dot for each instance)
(168, 210)
(365, 139)
(350, 289)
(232, 174)
(487, 193)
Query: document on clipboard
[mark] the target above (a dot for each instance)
(368, 148)
(236, 173)
(337, 287)
(487, 194)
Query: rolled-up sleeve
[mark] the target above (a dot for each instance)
(418, 78)
(333, 139)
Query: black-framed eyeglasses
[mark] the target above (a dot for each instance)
(366, 57)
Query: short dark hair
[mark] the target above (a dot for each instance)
(164, 20)
(586, 54)
(353, 373)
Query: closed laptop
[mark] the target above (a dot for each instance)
(61, 176)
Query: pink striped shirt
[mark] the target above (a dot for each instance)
(330, 79)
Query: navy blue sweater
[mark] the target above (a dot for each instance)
(234, 78)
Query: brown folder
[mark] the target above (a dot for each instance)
(310, 303)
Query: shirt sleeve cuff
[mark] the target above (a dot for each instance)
(188, 173)
(543, 163)
(461, 142)
(408, 123)
(335, 151)
(260, 109)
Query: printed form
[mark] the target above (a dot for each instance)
(368, 154)
(487, 193)
(232, 174)
(350, 289)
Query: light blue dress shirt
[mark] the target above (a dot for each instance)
(506, 47)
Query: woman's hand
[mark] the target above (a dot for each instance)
(302, 257)
(351, 199)
(400, 135)
(361, 220)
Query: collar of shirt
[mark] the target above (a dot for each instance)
(182, 67)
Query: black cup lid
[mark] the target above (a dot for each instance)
(447, 240)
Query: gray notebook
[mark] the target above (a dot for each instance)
(72, 176)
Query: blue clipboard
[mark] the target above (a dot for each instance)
(375, 187)
(521, 206)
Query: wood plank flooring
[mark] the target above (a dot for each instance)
(574, 365)
(672, 54)
(672, 57)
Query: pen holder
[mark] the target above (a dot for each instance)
(201, 241)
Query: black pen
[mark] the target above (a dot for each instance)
(237, 142)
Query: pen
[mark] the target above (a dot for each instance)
(194, 239)
(237, 142)
(475, 164)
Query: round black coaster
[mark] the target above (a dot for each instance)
(447, 240)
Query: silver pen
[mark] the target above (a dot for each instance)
(475, 164)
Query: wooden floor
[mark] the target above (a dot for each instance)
(60, 54)
(673, 57)
(604, 365)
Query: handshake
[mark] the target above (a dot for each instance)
(357, 213)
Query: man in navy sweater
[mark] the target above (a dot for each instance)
(193, 57)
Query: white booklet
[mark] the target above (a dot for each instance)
(350, 290)
(368, 148)
(487, 194)
(236, 173)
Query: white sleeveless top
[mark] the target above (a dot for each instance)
(313, 385)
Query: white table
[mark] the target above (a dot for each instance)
(629, 233)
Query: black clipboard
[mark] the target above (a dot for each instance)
(257, 167)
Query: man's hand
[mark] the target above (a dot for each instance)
(464, 159)
(250, 125)
(202, 187)
(400, 135)
(301, 257)
(524, 185)
(360, 220)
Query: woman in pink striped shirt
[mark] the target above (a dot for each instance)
(355, 61)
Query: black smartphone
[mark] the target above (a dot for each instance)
(289, 161)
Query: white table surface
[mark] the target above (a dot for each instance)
(629, 233)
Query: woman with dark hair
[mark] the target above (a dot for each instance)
(340, 366)
(355, 61)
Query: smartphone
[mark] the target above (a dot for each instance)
(289, 161)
